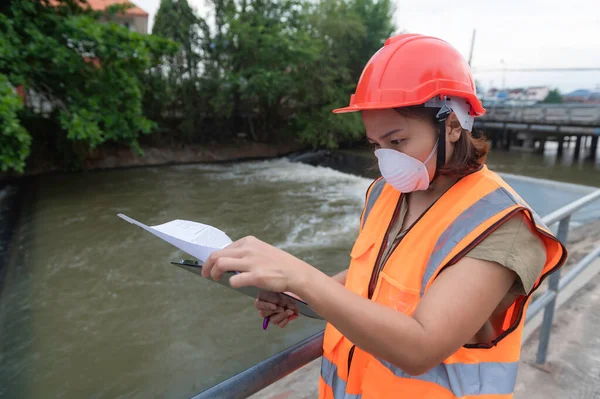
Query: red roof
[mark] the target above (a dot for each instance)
(103, 4)
(100, 5)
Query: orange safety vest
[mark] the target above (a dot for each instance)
(467, 213)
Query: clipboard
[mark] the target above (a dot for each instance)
(195, 267)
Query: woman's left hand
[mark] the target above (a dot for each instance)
(260, 265)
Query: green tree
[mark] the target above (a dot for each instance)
(554, 97)
(349, 33)
(178, 97)
(15, 141)
(175, 20)
(376, 16)
(263, 51)
(90, 73)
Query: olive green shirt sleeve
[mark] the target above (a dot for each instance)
(515, 246)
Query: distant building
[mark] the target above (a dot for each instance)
(582, 96)
(516, 94)
(134, 19)
(537, 94)
(516, 97)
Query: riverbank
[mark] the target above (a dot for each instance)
(303, 383)
(119, 158)
(11, 201)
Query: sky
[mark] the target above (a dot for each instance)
(509, 34)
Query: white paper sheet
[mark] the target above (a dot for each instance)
(196, 239)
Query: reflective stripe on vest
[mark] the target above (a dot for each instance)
(486, 378)
(495, 202)
(337, 385)
(373, 195)
(462, 379)
(536, 218)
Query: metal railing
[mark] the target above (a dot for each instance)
(551, 114)
(265, 373)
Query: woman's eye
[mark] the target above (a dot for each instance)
(397, 142)
(374, 145)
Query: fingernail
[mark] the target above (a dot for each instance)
(289, 312)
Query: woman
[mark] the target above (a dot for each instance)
(447, 256)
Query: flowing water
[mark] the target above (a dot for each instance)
(91, 308)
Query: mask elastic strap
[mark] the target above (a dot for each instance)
(441, 153)
(431, 153)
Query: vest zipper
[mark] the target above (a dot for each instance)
(350, 355)
(377, 268)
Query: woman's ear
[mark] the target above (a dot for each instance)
(453, 128)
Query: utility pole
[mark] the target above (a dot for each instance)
(503, 74)
(472, 46)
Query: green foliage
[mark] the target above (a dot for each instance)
(271, 69)
(178, 95)
(14, 139)
(175, 20)
(554, 97)
(89, 73)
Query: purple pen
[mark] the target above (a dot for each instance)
(266, 322)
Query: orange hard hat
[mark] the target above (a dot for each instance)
(411, 69)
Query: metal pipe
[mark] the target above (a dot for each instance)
(569, 209)
(580, 267)
(539, 304)
(265, 373)
(563, 230)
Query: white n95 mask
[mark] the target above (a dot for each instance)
(405, 173)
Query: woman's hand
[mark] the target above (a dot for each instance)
(259, 264)
(278, 307)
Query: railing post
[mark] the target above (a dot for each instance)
(563, 230)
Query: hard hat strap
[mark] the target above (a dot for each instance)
(441, 117)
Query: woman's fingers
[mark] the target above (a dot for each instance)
(243, 280)
(266, 313)
(284, 323)
(263, 305)
(278, 318)
(289, 317)
(228, 252)
(223, 265)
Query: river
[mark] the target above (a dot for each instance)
(90, 306)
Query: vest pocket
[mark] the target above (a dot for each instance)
(356, 281)
(363, 243)
(394, 295)
(331, 339)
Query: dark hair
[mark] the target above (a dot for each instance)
(470, 151)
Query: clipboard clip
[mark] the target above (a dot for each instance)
(191, 263)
